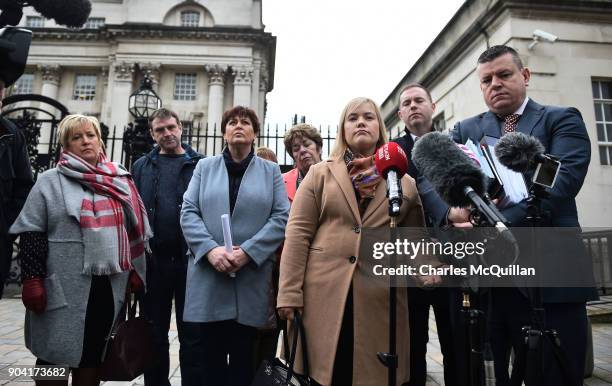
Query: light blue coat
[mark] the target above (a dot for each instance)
(258, 227)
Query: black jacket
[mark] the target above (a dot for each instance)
(15, 174)
(434, 207)
(146, 178)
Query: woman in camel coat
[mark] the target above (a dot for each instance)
(321, 273)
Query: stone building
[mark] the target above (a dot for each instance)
(203, 56)
(574, 70)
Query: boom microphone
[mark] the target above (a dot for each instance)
(448, 168)
(392, 163)
(519, 152)
(71, 13)
(456, 178)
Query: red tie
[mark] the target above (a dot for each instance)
(510, 123)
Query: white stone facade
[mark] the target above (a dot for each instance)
(216, 50)
(562, 72)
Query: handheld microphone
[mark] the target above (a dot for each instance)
(391, 162)
(71, 13)
(519, 152)
(454, 176)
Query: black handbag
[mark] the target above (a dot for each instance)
(130, 349)
(276, 373)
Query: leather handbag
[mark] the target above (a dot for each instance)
(276, 373)
(130, 347)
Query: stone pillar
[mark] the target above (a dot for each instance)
(51, 77)
(119, 103)
(263, 89)
(216, 87)
(243, 77)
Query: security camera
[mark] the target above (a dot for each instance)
(545, 35)
(539, 35)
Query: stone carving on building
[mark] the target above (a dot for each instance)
(243, 75)
(51, 73)
(216, 73)
(124, 71)
(153, 70)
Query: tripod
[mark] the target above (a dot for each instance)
(536, 334)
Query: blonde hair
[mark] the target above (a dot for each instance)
(340, 145)
(265, 153)
(74, 121)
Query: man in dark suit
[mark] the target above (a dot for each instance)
(503, 81)
(416, 111)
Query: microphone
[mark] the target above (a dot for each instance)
(454, 176)
(519, 152)
(391, 162)
(71, 13)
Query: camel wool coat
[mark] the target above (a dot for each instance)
(320, 261)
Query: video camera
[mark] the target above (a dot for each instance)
(15, 42)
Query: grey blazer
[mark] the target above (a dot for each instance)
(258, 227)
(54, 207)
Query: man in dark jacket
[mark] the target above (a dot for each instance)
(416, 111)
(503, 82)
(15, 184)
(162, 176)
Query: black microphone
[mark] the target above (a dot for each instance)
(519, 152)
(454, 176)
(71, 13)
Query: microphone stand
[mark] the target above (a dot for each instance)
(389, 359)
(531, 368)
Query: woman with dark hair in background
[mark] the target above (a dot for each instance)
(321, 273)
(83, 232)
(228, 292)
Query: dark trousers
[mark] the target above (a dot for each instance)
(166, 277)
(419, 302)
(227, 353)
(510, 311)
(6, 255)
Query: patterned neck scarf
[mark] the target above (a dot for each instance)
(113, 218)
(364, 176)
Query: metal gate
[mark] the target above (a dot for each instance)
(37, 116)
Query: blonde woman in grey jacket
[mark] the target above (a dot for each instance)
(83, 232)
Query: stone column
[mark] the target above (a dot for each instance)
(51, 77)
(263, 89)
(216, 86)
(119, 103)
(243, 77)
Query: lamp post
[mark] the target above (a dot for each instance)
(136, 139)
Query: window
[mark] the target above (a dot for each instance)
(84, 87)
(439, 123)
(35, 21)
(602, 98)
(24, 85)
(94, 22)
(185, 87)
(190, 18)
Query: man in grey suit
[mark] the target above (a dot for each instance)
(503, 81)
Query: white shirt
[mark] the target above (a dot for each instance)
(521, 109)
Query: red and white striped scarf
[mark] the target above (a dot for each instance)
(113, 218)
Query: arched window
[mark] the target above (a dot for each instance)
(190, 19)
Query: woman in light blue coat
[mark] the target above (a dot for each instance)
(228, 293)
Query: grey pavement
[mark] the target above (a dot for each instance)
(13, 351)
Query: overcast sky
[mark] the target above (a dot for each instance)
(329, 51)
